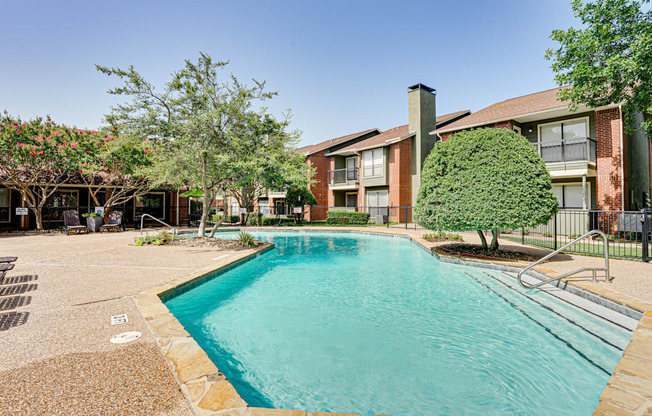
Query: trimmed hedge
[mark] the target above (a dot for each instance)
(336, 217)
(232, 219)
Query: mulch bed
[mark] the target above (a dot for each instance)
(471, 250)
(209, 242)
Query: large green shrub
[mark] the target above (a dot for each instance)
(484, 179)
(337, 217)
(268, 221)
(253, 219)
(297, 196)
(232, 219)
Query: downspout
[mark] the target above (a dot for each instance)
(622, 156)
(178, 207)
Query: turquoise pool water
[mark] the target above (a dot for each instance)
(375, 325)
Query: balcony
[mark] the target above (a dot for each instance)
(569, 157)
(569, 150)
(343, 178)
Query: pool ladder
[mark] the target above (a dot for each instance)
(594, 269)
(142, 223)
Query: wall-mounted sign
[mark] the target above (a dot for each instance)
(297, 210)
(243, 210)
(99, 210)
(22, 211)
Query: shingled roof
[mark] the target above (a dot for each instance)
(509, 109)
(393, 135)
(314, 148)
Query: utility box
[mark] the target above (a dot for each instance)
(381, 219)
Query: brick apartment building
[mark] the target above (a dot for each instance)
(593, 163)
(372, 170)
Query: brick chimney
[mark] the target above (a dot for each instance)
(422, 120)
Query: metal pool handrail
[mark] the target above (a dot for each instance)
(142, 220)
(594, 269)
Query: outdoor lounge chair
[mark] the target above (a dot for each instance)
(6, 267)
(8, 259)
(113, 223)
(71, 222)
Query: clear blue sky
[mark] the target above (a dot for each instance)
(342, 66)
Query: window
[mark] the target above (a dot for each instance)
(5, 205)
(65, 199)
(570, 196)
(378, 202)
(152, 203)
(235, 207)
(571, 129)
(372, 163)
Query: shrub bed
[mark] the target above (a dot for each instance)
(336, 217)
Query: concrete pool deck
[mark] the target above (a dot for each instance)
(55, 309)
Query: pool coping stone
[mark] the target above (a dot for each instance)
(628, 391)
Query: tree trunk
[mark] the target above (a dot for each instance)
(482, 239)
(201, 232)
(38, 213)
(217, 224)
(494, 240)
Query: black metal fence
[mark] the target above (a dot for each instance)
(628, 233)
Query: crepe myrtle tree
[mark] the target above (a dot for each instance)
(484, 179)
(116, 163)
(37, 157)
(299, 196)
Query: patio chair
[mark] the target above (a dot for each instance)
(6, 267)
(113, 223)
(8, 259)
(72, 224)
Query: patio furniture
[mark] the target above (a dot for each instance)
(72, 224)
(8, 259)
(113, 223)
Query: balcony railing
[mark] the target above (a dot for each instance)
(569, 150)
(342, 176)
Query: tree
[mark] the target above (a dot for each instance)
(191, 120)
(117, 163)
(484, 179)
(609, 60)
(37, 157)
(267, 160)
(299, 195)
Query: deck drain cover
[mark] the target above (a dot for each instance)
(126, 337)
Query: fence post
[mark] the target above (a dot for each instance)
(406, 216)
(388, 217)
(523, 235)
(555, 231)
(645, 227)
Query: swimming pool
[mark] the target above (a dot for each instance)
(347, 322)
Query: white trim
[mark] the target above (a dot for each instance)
(622, 156)
(516, 129)
(580, 109)
(375, 146)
